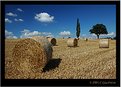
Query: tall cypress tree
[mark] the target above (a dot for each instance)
(78, 29)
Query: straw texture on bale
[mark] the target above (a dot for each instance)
(72, 42)
(45, 44)
(52, 41)
(31, 55)
(103, 43)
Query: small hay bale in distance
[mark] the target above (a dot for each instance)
(69, 37)
(72, 42)
(47, 37)
(52, 40)
(31, 55)
(86, 39)
(104, 43)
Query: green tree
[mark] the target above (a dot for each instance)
(98, 29)
(114, 38)
(78, 29)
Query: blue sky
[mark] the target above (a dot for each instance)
(57, 20)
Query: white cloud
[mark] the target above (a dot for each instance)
(11, 14)
(14, 37)
(21, 20)
(27, 33)
(8, 20)
(9, 35)
(65, 33)
(46, 33)
(44, 17)
(50, 35)
(19, 9)
(93, 34)
(112, 34)
(18, 19)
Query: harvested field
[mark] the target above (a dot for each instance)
(87, 61)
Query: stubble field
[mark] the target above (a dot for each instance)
(87, 61)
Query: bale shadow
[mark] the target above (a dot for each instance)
(52, 64)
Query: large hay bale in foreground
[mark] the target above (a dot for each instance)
(52, 41)
(46, 45)
(31, 55)
(72, 42)
(104, 43)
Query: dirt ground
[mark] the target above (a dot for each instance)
(87, 61)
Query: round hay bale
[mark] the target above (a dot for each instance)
(104, 43)
(72, 42)
(52, 41)
(47, 37)
(31, 55)
(85, 39)
(45, 44)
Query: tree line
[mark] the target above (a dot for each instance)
(97, 29)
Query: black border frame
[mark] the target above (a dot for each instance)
(61, 82)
